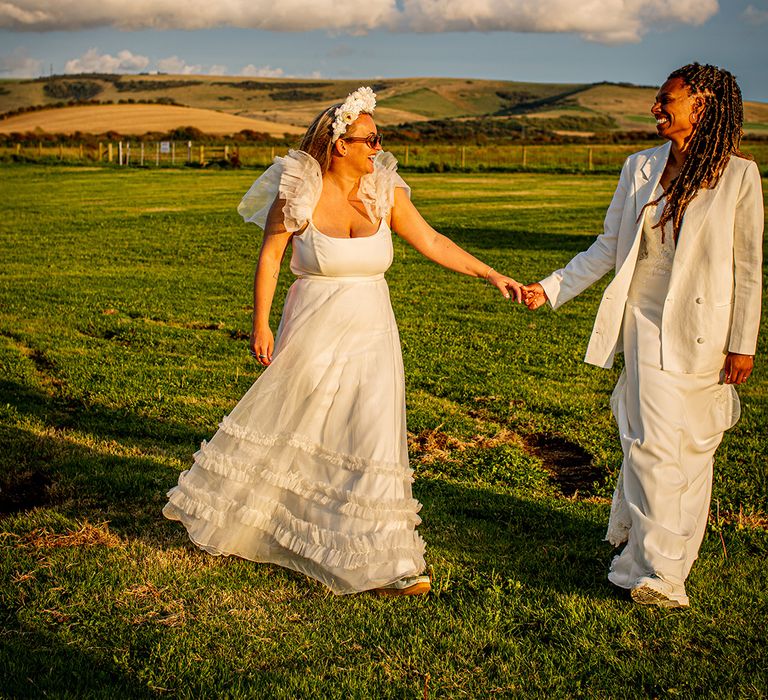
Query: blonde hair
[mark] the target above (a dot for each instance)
(318, 139)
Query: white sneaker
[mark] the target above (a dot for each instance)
(408, 585)
(651, 590)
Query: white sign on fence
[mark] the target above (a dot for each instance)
(165, 147)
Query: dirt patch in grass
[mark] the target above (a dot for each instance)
(569, 464)
(23, 491)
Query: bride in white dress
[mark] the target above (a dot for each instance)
(310, 469)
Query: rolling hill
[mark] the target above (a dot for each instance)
(221, 105)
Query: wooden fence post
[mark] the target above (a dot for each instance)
(202, 154)
(525, 157)
(463, 155)
(110, 154)
(226, 152)
(119, 152)
(142, 154)
(173, 153)
(405, 160)
(18, 149)
(589, 158)
(189, 151)
(157, 154)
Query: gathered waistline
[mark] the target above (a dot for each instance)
(342, 280)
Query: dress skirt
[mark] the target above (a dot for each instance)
(670, 425)
(310, 469)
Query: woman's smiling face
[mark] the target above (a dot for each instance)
(360, 152)
(673, 109)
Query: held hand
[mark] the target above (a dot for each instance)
(261, 345)
(738, 368)
(534, 296)
(505, 285)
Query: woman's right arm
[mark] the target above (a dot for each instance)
(276, 239)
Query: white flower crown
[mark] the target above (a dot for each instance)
(361, 100)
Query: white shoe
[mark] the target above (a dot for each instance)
(408, 585)
(651, 590)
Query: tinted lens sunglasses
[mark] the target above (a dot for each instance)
(372, 141)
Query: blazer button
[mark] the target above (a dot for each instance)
(699, 300)
(699, 340)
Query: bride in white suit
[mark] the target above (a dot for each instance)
(684, 236)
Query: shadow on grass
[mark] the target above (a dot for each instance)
(84, 481)
(38, 665)
(546, 544)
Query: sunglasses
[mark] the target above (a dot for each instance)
(373, 140)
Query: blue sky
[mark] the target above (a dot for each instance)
(560, 41)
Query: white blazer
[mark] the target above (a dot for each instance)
(712, 306)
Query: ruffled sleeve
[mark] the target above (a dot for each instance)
(377, 190)
(296, 178)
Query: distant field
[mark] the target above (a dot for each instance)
(137, 119)
(294, 102)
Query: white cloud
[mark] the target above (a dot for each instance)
(252, 71)
(178, 66)
(94, 62)
(607, 21)
(604, 21)
(18, 65)
(755, 15)
(286, 15)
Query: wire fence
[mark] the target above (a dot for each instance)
(430, 157)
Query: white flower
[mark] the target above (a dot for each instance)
(361, 100)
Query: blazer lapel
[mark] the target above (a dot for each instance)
(693, 219)
(648, 177)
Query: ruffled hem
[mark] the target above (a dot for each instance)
(343, 502)
(620, 521)
(334, 550)
(300, 442)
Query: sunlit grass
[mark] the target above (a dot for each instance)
(124, 310)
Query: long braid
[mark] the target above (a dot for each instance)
(717, 136)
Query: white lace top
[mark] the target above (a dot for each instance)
(653, 252)
(297, 179)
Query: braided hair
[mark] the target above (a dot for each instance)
(717, 136)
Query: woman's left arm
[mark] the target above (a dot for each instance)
(747, 271)
(410, 225)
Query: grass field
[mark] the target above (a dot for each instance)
(124, 312)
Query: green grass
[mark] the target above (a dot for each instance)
(124, 307)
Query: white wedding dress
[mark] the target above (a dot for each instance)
(670, 424)
(310, 469)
